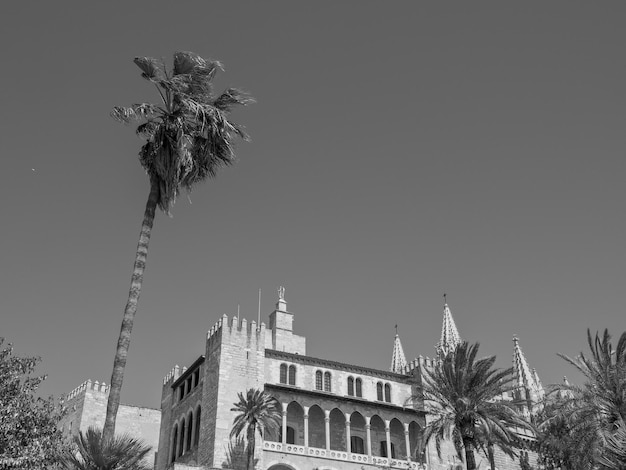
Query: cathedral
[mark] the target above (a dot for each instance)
(334, 415)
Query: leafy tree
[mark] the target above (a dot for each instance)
(584, 422)
(29, 437)
(257, 411)
(92, 452)
(188, 138)
(463, 396)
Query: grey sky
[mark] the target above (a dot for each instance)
(400, 150)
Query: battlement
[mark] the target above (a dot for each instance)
(96, 386)
(423, 362)
(173, 374)
(236, 330)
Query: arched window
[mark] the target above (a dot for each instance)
(196, 437)
(356, 445)
(327, 381)
(388, 393)
(359, 388)
(174, 448)
(181, 440)
(189, 431)
(318, 380)
(283, 373)
(351, 386)
(196, 377)
(379, 391)
(292, 375)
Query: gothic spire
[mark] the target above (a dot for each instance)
(450, 337)
(527, 381)
(398, 360)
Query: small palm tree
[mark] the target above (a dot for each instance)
(593, 414)
(257, 411)
(188, 138)
(464, 398)
(92, 452)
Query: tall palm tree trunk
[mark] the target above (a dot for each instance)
(470, 461)
(251, 445)
(491, 456)
(119, 364)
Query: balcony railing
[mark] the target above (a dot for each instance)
(341, 455)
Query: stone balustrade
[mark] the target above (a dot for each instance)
(341, 455)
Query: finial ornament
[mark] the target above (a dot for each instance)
(445, 298)
(281, 293)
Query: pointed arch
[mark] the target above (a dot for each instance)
(358, 433)
(173, 447)
(415, 436)
(398, 442)
(337, 430)
(196, 433)
(295, 424)
(351, 386)
(317, 427)
(181, 439)
(283, 374)
(378, 436)
(189, 432)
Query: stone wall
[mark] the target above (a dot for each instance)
(87, 407)
(401, 389)
(235, 355)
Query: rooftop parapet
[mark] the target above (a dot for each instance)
(172, 375)
(423, 362)
(235, 326)
(88, 385)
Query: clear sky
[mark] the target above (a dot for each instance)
(399, 150)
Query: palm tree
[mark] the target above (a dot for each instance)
(92, 452)
(188, 138)
(594, 413)
(464, 397)
(614, 456)
(257, 411)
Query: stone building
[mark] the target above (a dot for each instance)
(87, 406)
(335, 415)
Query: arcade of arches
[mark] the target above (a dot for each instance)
(347, 432)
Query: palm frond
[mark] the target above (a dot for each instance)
(123, 452)
(190, 137)
(150, 68)
(136, 112)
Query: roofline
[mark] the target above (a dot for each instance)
(336, 365)
(185, 374)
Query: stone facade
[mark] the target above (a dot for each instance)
(87, 406)
(334, 415)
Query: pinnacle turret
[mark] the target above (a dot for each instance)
(450, 337)
(529, 385)
(398, 359)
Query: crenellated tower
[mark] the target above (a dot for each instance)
(450, 337)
